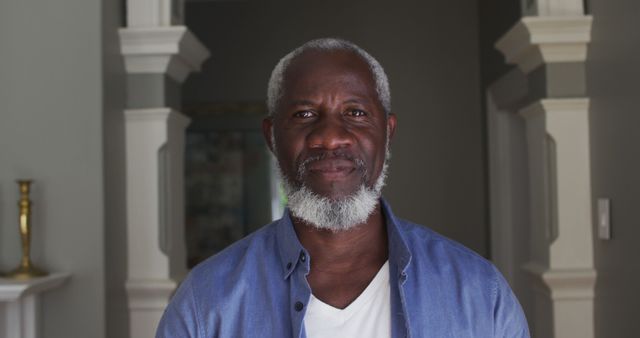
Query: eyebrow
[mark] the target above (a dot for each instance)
(301, 103)
(356, 100)
(304, 102)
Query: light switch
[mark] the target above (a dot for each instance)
(604, 218)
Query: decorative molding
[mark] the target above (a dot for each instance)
(172, 50)
(563, 284)
(149, 294)
(147, 300)
(534, 41)
(570, 294)
(556, 106)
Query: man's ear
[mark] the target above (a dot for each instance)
(267, 130)
(391, 125)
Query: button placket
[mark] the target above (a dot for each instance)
(299, 295)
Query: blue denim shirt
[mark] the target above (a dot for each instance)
(257, 287)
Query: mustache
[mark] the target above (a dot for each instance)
(359, 164)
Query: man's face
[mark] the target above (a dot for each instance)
(330, 129)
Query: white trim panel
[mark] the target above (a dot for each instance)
(154, 146)
(561, 265)
(565, 206)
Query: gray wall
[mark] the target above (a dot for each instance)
(430, 52)
(495, 18)
(52, 130)
(612, 80)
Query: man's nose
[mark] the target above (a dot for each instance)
(329, 133)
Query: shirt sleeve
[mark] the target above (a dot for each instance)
(509, 319)
(180, 318)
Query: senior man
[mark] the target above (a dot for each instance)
(339, 263)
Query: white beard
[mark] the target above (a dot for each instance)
(335, 215)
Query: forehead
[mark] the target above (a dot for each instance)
(314, 69)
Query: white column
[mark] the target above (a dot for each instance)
(155, 42)
(154, 13)
(155, 213)
(562, 255)
(561, 258)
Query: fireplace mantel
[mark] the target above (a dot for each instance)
(19, 304)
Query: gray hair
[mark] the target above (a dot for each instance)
(275, 92)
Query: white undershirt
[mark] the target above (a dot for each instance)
(368, 316)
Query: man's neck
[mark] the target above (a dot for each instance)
(343, 263)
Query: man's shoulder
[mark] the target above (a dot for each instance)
(437, 251)
(446, 275)
(259, 247)
(221, 286)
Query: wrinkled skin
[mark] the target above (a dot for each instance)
(330, 128)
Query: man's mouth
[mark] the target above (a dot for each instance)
(331, 168)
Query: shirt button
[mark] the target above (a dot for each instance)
(299, 306)
(288, 265)
(303, 257)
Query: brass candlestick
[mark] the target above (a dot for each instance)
(26, 270)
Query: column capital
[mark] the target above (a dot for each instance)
(537, 40)
(171, 50)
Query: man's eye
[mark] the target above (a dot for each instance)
(303, 114)
(356, 113)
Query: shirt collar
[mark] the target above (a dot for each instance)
(291, 250)
(293, 253)
(399, 254)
